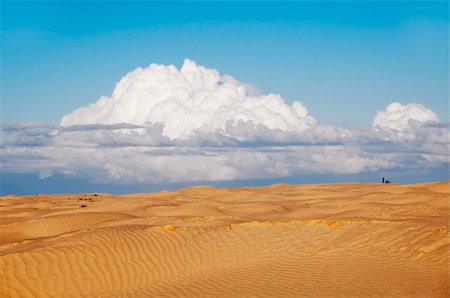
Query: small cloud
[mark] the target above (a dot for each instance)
(401, 121)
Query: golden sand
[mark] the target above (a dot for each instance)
(339, 240)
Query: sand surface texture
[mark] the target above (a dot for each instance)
(341, 240)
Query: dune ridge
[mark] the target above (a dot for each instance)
(335, 240)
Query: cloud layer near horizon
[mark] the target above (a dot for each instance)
(162, 124)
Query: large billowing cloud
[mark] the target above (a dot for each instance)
(189, 100)
(165, 125)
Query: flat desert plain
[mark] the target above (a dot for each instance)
(336, 240)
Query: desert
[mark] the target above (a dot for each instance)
(224, 149)
(335, 240)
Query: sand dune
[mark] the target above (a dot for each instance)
(339, 240)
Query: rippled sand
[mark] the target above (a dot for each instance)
(340, 240)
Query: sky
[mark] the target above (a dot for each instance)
(315, 75)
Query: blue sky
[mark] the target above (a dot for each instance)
(348, 62)
(343, 60)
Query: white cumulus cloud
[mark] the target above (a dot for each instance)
(400, 119)
(192, 99)
(399, 122)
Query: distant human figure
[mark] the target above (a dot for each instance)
(382, 180)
